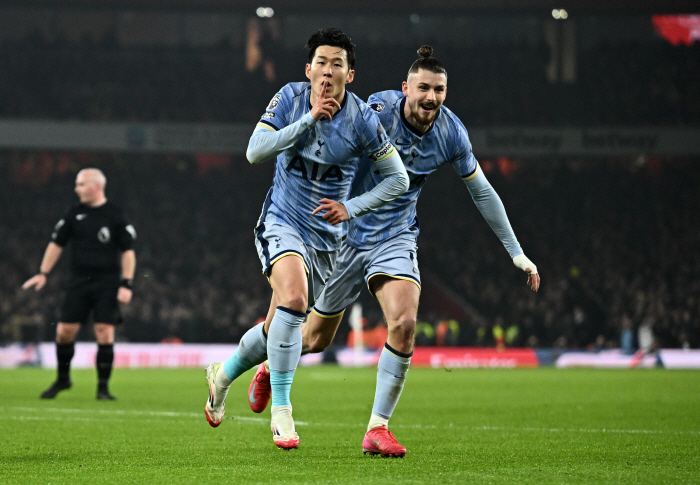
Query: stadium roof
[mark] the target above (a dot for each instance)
(434, 6)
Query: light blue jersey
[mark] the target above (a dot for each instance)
(445, 142)
(322, 162)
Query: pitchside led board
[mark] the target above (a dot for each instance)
(199, 355)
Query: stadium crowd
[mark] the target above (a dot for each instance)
(620, 83)
(615, 241)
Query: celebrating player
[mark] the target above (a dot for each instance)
(319, 133)
(381, 247)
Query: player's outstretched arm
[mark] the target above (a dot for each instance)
(51, 255)
(491, 207)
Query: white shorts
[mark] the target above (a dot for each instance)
(396, 257)
(275, 241)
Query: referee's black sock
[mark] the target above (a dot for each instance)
(104, 360)
(64, 354)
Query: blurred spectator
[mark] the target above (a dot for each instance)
(627, 336)
(645, 334)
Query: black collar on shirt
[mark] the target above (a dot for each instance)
(342, 105)
(409, 125)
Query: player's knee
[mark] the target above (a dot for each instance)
(63, 338)
(104, 334)
(405, 327)
(65, 334)
(295, 301)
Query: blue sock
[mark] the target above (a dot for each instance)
(251, 351)
(391, 375)
(283, 352)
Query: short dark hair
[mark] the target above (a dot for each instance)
(427, 61)
(332, 37)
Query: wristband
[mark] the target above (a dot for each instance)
(43, 272)
(127, 283)
(523, 263)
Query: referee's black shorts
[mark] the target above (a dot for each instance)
(96, 293)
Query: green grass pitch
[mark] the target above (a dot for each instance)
(459, 426)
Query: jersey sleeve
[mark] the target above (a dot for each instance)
(463, 159)
(63, 230)
(375, 141)
(126, 234)
(378, 104)
(276, 114)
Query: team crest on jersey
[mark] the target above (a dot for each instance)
(103, 235)
(378, 107)
(320, 145)
(268, 116)
(274, 102)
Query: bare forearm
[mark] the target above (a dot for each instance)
(51, 255)
(128, 264)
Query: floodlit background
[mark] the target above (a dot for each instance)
(585, 116)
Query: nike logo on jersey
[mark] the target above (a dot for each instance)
(80, 217)
(286, 346)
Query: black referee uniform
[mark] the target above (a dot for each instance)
(97, 236)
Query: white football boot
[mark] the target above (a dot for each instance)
(214, 409)
(283, 433)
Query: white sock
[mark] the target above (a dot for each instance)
(221, 379)
(376, 421)
(281, 412)
(282, 417)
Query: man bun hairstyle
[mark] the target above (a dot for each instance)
(427, 61)
(334, 38)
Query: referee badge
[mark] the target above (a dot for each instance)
(103, 235)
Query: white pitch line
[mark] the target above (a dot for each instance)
(247, 419)
(124, 412)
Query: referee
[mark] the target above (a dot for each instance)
(101, 276)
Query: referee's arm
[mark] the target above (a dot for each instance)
(128, 270)
(51, 255)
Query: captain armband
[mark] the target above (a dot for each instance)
(384, 152)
